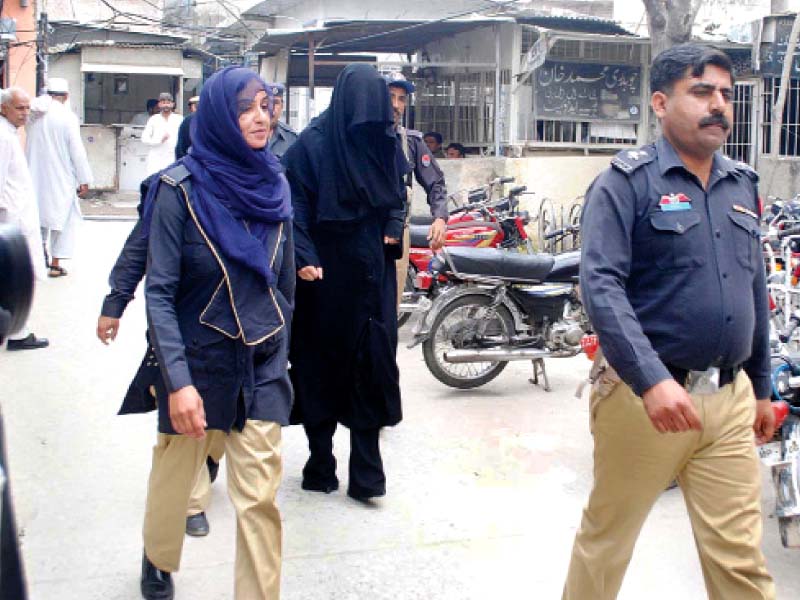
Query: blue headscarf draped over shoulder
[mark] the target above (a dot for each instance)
(231, 182)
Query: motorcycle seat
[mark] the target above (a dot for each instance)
(418, 235)
(420, 220)
(491, 262)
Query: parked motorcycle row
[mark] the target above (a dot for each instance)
(488, 298)
(781, 243)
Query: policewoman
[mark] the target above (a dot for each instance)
(219, 291)
(674, 284)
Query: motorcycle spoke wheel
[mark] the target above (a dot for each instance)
(464, 325)
(546, 223)
(574, 220)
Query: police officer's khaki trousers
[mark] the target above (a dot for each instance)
(254, 473)
(718, 472)
(402, 265)
(201, 492)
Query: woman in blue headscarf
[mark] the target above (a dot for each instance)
(220, 291)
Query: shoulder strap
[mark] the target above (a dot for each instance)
(628, 161)
(175, 175)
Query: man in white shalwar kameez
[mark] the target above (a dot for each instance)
(60, 171)
(17, 200)
(161, 134)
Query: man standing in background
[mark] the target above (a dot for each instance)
(427, 173)
(60, 171)
(161, 134)
(282, 135)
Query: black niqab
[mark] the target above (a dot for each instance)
(351, 153)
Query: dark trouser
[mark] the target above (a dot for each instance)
(366, 467)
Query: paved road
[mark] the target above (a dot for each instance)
(485, 487)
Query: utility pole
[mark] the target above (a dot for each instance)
(41, 54)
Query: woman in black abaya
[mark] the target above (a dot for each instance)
(345, 172)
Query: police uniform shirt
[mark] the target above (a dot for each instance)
(671, 273)
(280, 140)
(427, 173)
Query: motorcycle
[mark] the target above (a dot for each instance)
(782, 455)
(501, 306)
(482, 223)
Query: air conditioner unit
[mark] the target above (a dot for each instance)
(8, 29)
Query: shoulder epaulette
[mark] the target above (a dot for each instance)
(628, 161)
(743, 167)
(175, 175)
(286, 128)
(414, 133)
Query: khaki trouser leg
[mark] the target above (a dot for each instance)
(402, 266)
(176, 461)
(722, 487)
(633, 464)
(201, 493)
(254, 475)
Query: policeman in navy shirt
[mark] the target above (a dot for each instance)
(282, 135)
(674, 285)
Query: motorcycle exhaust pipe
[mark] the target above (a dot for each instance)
(502, 354)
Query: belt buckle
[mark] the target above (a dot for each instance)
(703, 382)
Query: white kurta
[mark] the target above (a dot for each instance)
(17, 201)
(57, 161)
(162, 153)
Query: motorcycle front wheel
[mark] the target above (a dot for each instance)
(458, 327)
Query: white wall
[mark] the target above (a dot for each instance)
(68, 66)
(559, 178)
(309, 10)
(778, 177)
(101, 148)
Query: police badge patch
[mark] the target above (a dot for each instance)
(426, 160)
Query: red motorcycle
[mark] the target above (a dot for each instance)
(481, 223)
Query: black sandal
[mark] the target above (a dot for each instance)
(57, 271)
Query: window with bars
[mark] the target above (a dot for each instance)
(740, 143)
(790, 129)
(460, 106)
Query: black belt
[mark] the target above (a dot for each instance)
(726, 375)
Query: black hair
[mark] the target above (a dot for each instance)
(458, 147)
(151, 103)
(435, 135)
(672, 65)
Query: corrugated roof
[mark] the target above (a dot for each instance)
(575, 24)
(408, 36)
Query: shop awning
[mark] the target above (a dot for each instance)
(130, 69)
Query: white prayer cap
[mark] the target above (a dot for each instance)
(57, 85)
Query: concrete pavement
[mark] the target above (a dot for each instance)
(485, 487)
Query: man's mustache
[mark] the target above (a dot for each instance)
(711, 120)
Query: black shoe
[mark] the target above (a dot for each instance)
(155, 583)
(364, 495)
(29, 343)
(213, 468)
(313, 486)
(197, 525)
